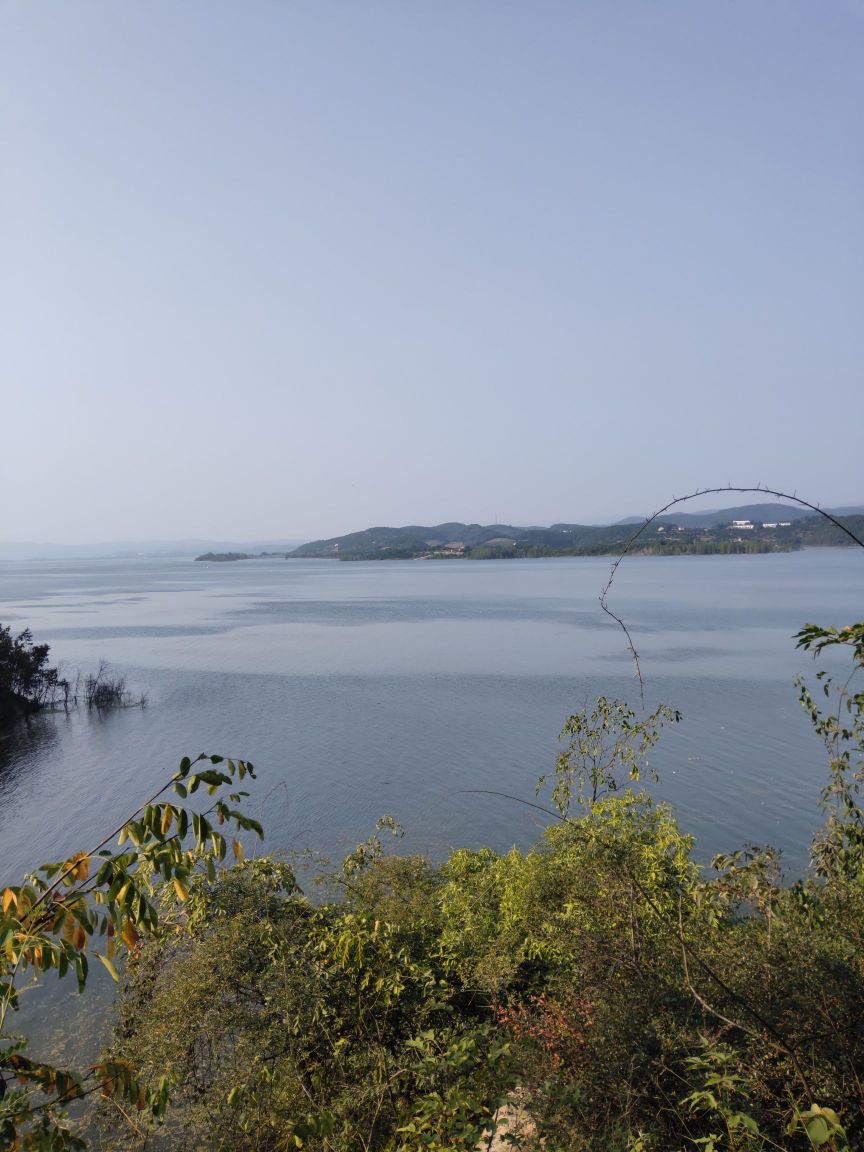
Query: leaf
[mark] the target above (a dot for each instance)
(181, 889)
(8, 897)
(238, 851)
(209, 777)
(81, 969)
(818, 1131)
(110, 967)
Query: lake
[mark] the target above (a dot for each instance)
(359, 689)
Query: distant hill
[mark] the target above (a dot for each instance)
(760, 513)
(770, 528)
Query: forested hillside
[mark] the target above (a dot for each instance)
(766, 528)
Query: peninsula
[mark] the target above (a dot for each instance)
(751, 528)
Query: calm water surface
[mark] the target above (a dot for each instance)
(359, 689)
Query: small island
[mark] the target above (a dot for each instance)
(227, 557)
(224, 557)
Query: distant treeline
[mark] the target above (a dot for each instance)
(652, 548)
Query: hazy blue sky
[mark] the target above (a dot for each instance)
(288, 269)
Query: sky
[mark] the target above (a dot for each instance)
(290, 269)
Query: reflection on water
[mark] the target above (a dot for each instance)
(23, 744)
(28, 749)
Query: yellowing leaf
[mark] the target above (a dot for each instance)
(238, 851)
(181, 889)
(78, 867)
(109, 966)
(8, 898)
(130, 936)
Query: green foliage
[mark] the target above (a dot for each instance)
(317, 1027)
(55, 918)
(822, 1127)
(369, 851)
(601, 744)
(839, 850)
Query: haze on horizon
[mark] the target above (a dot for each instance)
(288, 271)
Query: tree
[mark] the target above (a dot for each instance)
(27, 681)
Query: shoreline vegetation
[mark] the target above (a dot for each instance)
(533, 552)
(747, 530)
(28, 683)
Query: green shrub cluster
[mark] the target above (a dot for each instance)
(596, 992)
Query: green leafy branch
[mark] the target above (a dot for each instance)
(599, 744)
(839, 849)
(60, 911)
